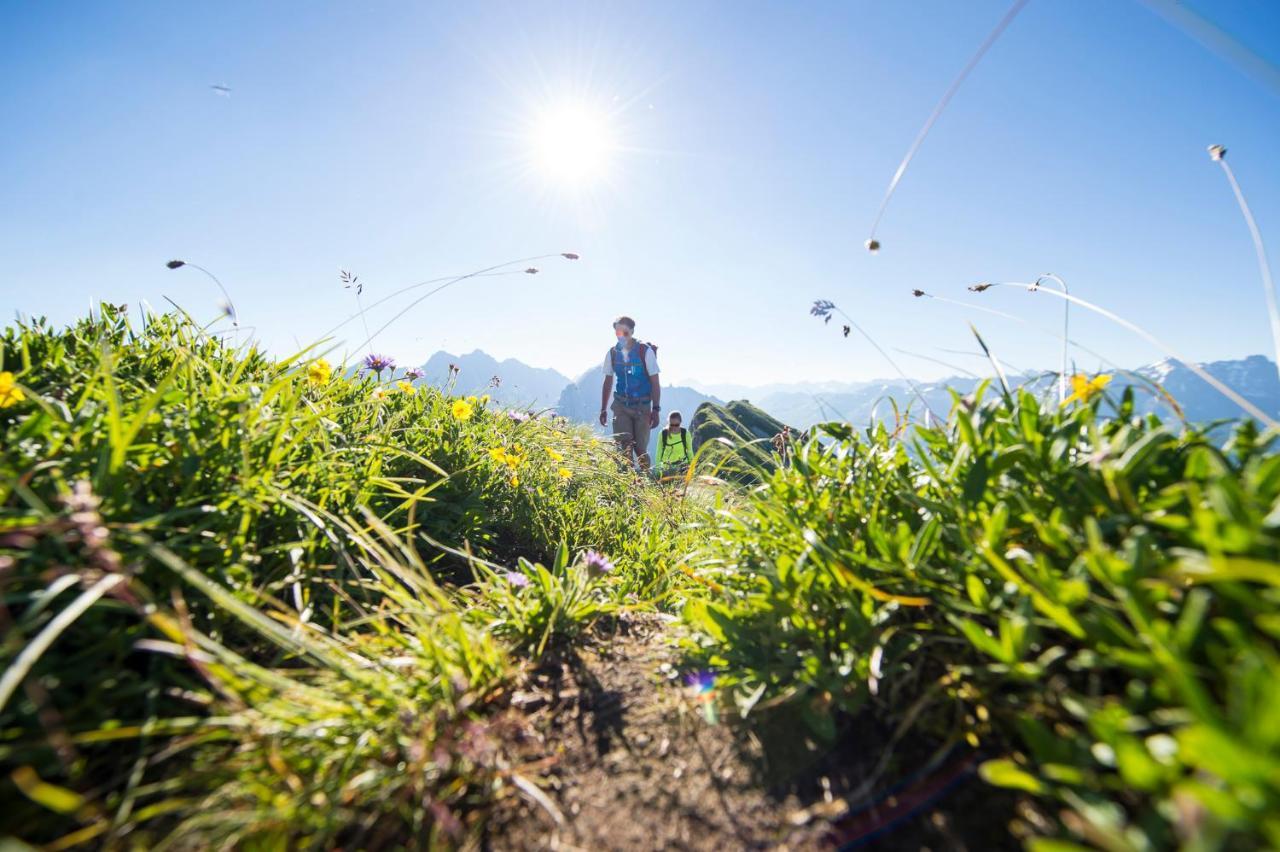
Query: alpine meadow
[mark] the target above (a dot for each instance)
(279, 571)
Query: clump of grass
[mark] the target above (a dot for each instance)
(241, 598)
(1088, 600)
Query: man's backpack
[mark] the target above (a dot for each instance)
(640, 347)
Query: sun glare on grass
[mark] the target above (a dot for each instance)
(572, 143)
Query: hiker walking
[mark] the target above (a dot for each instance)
(675, 449)
(633, 366)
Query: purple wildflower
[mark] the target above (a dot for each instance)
(518, 416)
(413, 374)
(597, 563)
(378, 363)
(516, 579)
(701, 682)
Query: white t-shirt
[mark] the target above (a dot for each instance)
(650, 362)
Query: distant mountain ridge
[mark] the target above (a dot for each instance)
(801, 404)
(1255, 378)
(509, 382)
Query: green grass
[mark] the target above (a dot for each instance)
(1093, 602)
(244, 604)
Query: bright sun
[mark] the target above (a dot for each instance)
(572, 143)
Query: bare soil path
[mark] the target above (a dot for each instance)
(629, 762)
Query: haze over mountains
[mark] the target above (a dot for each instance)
(804, 403)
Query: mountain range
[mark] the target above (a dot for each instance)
(801, 404)
(509, 382)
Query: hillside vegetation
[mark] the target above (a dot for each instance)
(735, 440)
(1089, 601)
(255, 603)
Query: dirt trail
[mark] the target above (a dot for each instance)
(632, 763)
(629, 763)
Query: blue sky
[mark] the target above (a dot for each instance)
(753, 144)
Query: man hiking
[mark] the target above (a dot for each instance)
(675, 448)
(634, 367)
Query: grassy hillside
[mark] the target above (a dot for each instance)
(735, 440)
(250, 602)
(254, 603)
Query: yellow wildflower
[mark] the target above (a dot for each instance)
(319, 371)
(515, 480)
(462, 410)
(555, 456)
(379, 394)
(565, 473)
(484, 400)
(1084, 388)
(511, 459)
(405, 387)
(10, 393)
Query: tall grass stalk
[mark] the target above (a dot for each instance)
(362, 312)
(1223, 389)
(230, 309)
(352, 282)
(1219, 154)
(1155, 387)
(458, 279)
(1015, 318)
(946, 364)
(873, 245)
(1066, 334)
(831, 306)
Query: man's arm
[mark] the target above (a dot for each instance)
(655, 392)
(605, 389)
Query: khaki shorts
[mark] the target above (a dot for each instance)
(631, 426)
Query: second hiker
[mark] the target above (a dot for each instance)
(633, 367)
(675, 448)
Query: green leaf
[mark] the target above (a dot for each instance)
(1051, 844)
(1005, 773)
(975, 481)
(977, 591)
(57, 799)
(1136, 766)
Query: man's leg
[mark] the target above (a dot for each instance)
(622, 431)
(640, 417)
